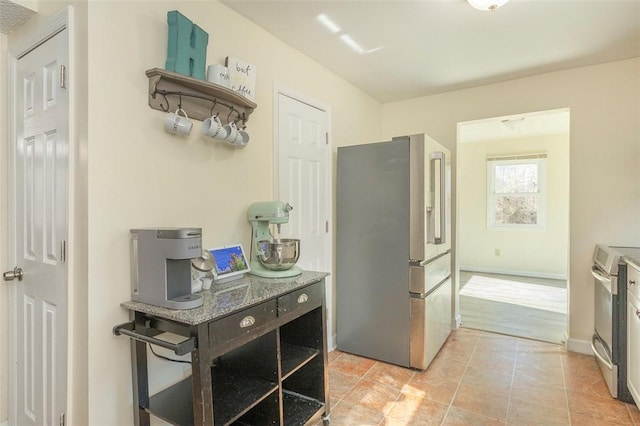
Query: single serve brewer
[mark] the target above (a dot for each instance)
(161, 266)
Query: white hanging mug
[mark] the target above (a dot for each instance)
(177, 123)
(245, 137)
(233, 136)
(213, 128)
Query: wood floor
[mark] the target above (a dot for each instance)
(533, 308)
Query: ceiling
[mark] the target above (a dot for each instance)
(417, 48)
(533, 124)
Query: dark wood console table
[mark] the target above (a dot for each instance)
(258, 355)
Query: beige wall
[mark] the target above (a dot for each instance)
(139, 176)
(541, 251)
(604, 101)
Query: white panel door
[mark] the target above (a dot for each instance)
(39, 179)
(304, 181)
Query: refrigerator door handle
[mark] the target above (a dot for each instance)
(438, 156)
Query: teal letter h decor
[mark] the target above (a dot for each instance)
(187, 50)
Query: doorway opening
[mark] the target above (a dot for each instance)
(513, 224)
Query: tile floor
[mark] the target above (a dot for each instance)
(478, 378)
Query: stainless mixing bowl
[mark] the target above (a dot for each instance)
(279, 255)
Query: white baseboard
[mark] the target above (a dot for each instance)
(580, 346)
(516, 273)
(456, 322)
(331, 344)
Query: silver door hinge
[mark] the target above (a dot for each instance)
(326, 138)
(63, 76)
(63, 420)
(63, 251)
(326, 226)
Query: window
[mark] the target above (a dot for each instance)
(516, 191)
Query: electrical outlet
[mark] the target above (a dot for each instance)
(496, 252)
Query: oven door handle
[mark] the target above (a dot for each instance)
(606, 362)
(595, 271)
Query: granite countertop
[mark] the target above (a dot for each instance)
(223, 299)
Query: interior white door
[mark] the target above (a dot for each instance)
(39, 179)
(303, 173)
(304, 181)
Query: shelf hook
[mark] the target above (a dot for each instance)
(164, 95)
(179, 100)
(230, 112)
(215, 102)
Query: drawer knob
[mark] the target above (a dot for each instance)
(303, 298)
(632, 282)
(247, 321)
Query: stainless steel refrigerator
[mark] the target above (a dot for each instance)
(393, 266)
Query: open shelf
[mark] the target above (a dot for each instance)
(298, 409)
(168, 89)
(294, 357)
(233, 395)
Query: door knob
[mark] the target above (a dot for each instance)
(11, 275)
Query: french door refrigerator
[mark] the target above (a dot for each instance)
(393, 266)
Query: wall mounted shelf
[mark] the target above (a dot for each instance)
(200, 99)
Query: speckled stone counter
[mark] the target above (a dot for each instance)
(223, 299)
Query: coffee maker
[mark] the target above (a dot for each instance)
(161, 266)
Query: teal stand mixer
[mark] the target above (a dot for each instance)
(272, 257)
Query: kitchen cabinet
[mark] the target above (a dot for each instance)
(633, 331)
(258, 355)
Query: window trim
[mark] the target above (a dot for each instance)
(492, 162)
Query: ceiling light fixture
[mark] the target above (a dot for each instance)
(351, 43)
(487, 5)
(328, 23)
(346, 38)
(513, 123)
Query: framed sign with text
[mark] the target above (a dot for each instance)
(242, 77)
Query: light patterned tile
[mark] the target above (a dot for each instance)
(546, 396)
(346, 413)
(582, 420)
(490, 380)
(441, 389)
(352, 364)
(635, 413)
(333, 355)
(477, 379)
(372, 395)
(442, 367)
(480, 401)
(416, 410)
(340, 383)
(502, 363)
(390, 375)
(460, 417)
(604, 409)
(524, 413)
